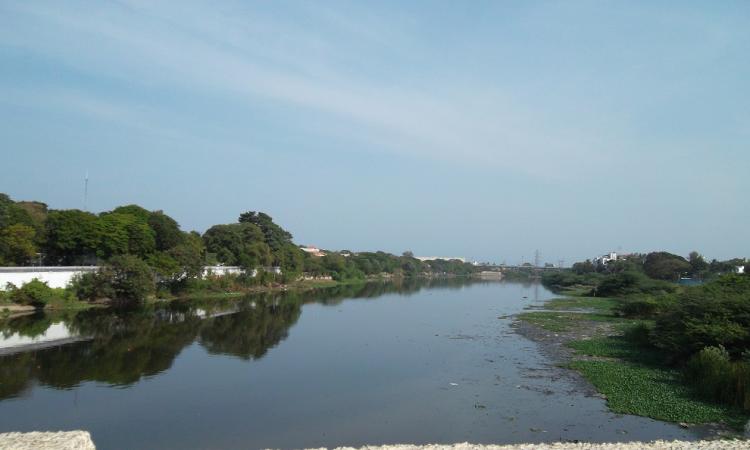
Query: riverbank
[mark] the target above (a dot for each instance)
(10, 310)
(656, 445)
(585, 335)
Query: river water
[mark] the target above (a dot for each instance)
(415, 362)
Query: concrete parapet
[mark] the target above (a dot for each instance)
(60, 440)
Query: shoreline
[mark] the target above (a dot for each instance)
(571, 325)
(12, 310)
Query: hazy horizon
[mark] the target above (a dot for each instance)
(484, 130)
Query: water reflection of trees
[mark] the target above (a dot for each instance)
(126, 346)
(129, 345)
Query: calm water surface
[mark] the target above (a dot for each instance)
(411, 363)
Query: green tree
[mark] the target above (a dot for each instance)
(166, 229)
(122, 233)
(11, 213)
(274, 235)
(17, 244)
(72, 236)
(665, 266)
(581, 268)
(697, 263)
(238, 244)
(131, 279)
(189, 254)
(139, 212)
(716, 313)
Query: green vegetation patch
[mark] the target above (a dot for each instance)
(600, 305)
(618, 347)
(561, 321)
(653, 392)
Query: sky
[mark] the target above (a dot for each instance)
(483, 129)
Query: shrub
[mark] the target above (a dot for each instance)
(125, 278)
(638, 307)
(640, 335)
(714, 377)
(714, 314)
(34, 293)
(630, 282)
(92, 286)
(665, 266)
(131, 278)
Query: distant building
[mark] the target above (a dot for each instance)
(611, 256)
(313, 251)
(605, 259)
(443, 258)
(740, 269)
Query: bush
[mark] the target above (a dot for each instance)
(630, 282)
(715, 377)
(640, 335)
(125, 278)
(638, 307)
(711, 315)
(34, 293)
(130, 278)
(92, 286)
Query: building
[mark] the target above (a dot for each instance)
(312, 251)
(605, 259)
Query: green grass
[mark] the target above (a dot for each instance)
(66, 303)
(562, 321)
(576, 291)
(600, 305)
(618, 347)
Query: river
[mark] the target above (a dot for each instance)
(412, 362)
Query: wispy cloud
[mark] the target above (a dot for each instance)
(201, 49)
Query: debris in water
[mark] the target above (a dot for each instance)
(453, 384)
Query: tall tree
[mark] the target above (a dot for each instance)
(665, 266)
(72, 236)
(168, 233)
(17, 244)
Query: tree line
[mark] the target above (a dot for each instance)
(143, 251)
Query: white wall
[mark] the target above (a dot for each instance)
(60, 277)
(55, 277)
(222, 270)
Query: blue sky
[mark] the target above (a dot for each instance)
(477, 129)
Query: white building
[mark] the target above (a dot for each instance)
(313, 251)
(605, 259)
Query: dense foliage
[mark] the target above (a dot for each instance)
(703, 329)
(142, 252)
(715, 314)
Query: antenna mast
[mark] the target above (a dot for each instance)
(86, 192)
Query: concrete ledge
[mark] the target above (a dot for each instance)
(670, 445)
(61, 440)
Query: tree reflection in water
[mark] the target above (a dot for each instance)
(128, 345)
